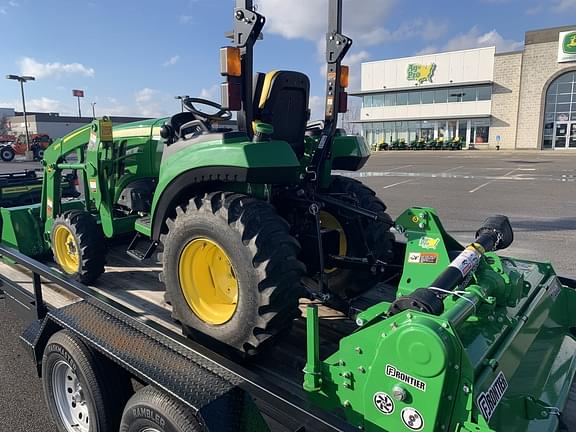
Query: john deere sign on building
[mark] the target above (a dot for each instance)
(524, 99)
(567, 46)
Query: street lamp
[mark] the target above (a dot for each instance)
(182, 98)
(22, 80)
(93, 110)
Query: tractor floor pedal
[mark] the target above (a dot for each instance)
(141, 248)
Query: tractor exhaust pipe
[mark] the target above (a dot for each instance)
(495, 234)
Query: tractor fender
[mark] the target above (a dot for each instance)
(204, 179)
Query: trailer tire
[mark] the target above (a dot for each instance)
(244, 242)
(81, 386)
(349, 283)
(7, 153)
(151, 409)
(568, 416)
(78, 245)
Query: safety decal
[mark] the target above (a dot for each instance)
(429, 243)
(422, 258)
(412, 419)
(383, 403)
(466, 261)
(93, 185)
(392, 372)
(488, 401)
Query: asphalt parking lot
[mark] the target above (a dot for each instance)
(536, 190)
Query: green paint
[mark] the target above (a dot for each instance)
(420, 72)
(506, 335)
(569, 43)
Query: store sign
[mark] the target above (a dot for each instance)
(567, 47)
(421, 72)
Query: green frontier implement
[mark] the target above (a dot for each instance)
(472, 341)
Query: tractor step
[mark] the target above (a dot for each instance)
(141, 247)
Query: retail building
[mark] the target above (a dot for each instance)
(524, 99)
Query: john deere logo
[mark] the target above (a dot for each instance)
(569, 43)
(421, 72)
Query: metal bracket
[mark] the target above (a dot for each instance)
(249, 24)
(539, 410)
(337, 45)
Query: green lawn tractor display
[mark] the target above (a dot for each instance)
(248, 220)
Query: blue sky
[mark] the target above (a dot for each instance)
(131, 57)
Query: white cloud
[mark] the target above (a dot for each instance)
(3, 11)
(211, 93)
(13, 3)
(172, 61)
(307, 19)
(564, 5)
(316, 107)
(29, 66)
(186, 19)
(43, 104)
(145, 95)
(475, 39)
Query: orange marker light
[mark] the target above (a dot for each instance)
(345, 77)
(230, 61)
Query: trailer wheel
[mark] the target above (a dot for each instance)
(78, 245)
(7, 153)
(568, 416)
(349, 283)
(150, 410)
(38, 152)
(231, 270)
(83, 390)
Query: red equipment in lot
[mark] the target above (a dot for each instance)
(12, 145)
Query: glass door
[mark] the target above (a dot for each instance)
(560, 135)
(572, 138)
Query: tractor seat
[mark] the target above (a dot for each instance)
(281, 99)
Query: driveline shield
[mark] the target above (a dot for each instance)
(488, 401)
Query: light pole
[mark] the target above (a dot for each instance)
(22, 80)
(93, 110)
(182, 100)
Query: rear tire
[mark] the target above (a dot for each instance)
(255, 281)
(81, 387)
(7, 153)
(151, 410)
(349, 283)
(78, 245)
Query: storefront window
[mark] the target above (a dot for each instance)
(560, 113)
(480, 131)
(427, 96)
(484, 93)
(440, 96)
(401, 98)
(455, 95)
(390, 99)
(378, 101)
(367, 102)
(414, 98)
(469, 94)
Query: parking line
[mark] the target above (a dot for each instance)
(492, 181)
(451, 169)
(396, 184)
(400, 167)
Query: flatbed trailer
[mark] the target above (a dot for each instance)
(125, 319)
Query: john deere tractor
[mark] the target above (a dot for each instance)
(248, 219)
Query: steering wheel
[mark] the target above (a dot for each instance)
(221, 115)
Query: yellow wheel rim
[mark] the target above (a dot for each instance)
(329, 221)
(208, 281)
(66, 249)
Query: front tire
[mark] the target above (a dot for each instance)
(7, 153)
(151, 410)
(78, 245)
(231, 270)
(349, 283)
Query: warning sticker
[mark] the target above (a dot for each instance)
(412, 419)
(466, 261)
(488, 401)
(383, 403)
(422, 258)
(93, 185)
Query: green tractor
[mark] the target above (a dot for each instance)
(248, 221)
